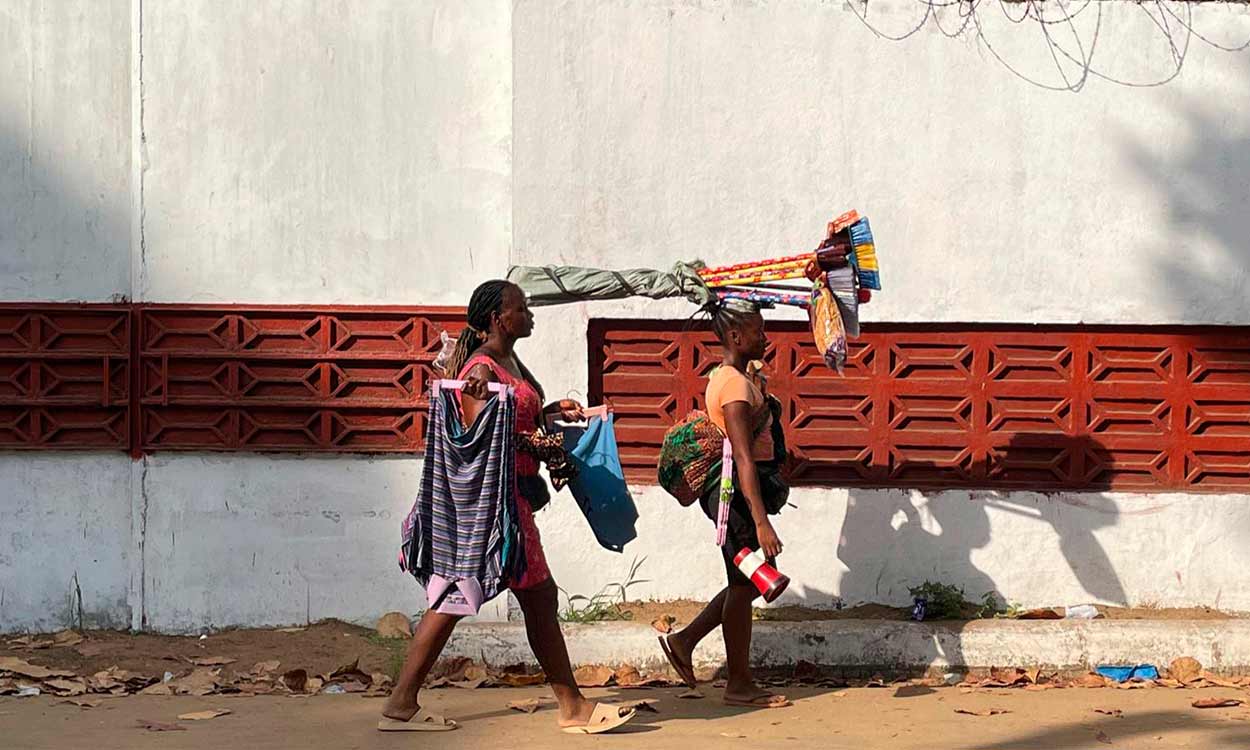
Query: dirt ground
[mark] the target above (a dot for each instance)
(897, 717)
(319, 648)
(326, 646)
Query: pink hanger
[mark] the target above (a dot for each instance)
(456, 385)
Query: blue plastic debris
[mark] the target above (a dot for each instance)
(1124, 674)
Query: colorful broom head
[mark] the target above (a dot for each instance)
(864, 254)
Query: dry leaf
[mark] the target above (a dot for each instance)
(212, 713)
(157, 726)
(1045, 613)
(692, 693)
(201, 681)
(81, 702)
(67, 638)
(526, 706)
(1185, 669)
(131, 679)
(353, 673)
(982, 712)
(522, 680)
(647, 704)
(839, 694)
(1168, 683)
(627, 675)
(295, 680)
(967, 690)
(212, 661)
(474, 672)
(450, 669)
(1008, 677)
(593, 675)
(160, 688)
(1110, 712)
(29, 643)
(473, 684)
(394, 625)
(1103, 738)
(381, 680)
(63, 688)
(1032, 676)
(313, 685)
(1217, 703)
(1091, 680)
(1216, 681)
(24, 668)
(664, 623)
(652, 680)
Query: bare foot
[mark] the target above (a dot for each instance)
(681, 657)
(576, 713)
(399, 710)
(750, 695)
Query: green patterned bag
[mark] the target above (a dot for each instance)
(690, 457)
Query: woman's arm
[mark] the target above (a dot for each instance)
(737, 426)
(476, 392)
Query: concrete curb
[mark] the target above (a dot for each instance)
(1221, 645)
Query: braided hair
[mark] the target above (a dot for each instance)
(728, 315)
(485, 302)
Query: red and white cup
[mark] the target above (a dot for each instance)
(770, 582)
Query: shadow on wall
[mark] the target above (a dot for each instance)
(62, 237)
(1203, 185)
(893, 539)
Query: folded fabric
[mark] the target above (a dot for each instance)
(461, 540)
(599, 487)
(558, 285)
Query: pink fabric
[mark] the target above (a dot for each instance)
(529, 407)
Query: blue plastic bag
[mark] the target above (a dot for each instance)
(599, 487)
(1124, 674)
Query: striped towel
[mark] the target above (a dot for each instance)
(461, 534)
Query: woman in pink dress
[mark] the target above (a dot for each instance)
(498, 316)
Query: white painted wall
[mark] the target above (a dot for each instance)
(651, 131)
(400, 152)
(65, 150)
(65, 541)
(273, 541)
(330, 152)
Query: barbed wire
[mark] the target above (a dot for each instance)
(1061, 14)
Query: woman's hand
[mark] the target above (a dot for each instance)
(567, 409)
(770, 543)
(476, 387)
